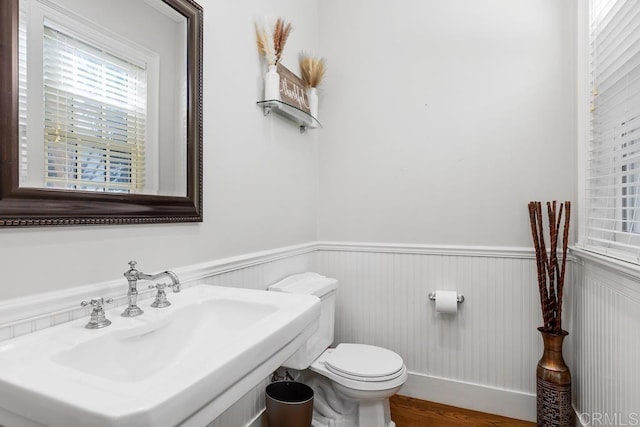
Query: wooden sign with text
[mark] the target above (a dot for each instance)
(292, 89)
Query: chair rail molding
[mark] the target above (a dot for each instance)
(424, 249)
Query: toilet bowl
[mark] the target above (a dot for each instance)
(352, 382)
(363, 374)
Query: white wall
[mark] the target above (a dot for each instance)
(444, 118)
(260, 178)
(496, 78)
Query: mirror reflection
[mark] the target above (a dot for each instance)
(103, 96)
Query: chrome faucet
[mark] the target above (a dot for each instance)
(132, 275)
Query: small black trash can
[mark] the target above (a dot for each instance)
(289, 404)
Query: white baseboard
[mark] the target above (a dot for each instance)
(476, 397)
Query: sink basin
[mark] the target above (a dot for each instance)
(137, 353)
(184, 364)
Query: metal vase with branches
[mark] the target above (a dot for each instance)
(553, 379)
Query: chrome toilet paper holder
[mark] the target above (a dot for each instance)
(459, 298)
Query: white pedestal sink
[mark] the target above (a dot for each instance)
(180, 365)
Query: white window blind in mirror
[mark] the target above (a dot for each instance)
(94, 116)
(612, 223)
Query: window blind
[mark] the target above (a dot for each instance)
(94, 117)
(613, 170)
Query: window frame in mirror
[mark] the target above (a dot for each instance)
(30, 207)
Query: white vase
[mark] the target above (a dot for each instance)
(272, 84)
(312, 94)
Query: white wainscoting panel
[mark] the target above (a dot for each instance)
(245, 412)
(489, 348)
(492, 341)
(260, 276)
(607, 366)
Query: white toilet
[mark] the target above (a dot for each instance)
(352, 383)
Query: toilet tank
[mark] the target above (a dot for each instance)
(325, 289)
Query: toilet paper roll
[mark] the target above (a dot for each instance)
(446, 302)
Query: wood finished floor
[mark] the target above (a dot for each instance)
(408, 412)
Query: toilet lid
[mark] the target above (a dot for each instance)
(362, 362)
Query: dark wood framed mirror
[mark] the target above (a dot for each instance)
(63, 195)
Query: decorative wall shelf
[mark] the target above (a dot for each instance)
(301, 118)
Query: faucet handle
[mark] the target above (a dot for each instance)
(161, 296)
(98, 318)
(96, 302)
(132, 264)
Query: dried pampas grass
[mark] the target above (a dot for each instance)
(280, 35)
(265, 45)
(312, 69)
(270, 45)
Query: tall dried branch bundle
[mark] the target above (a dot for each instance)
(265, 45)
(280, 35)
(550, 274)
(311, 69)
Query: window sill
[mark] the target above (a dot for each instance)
(614, 265)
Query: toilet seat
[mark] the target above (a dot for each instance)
(372, 384)
(361, 362)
